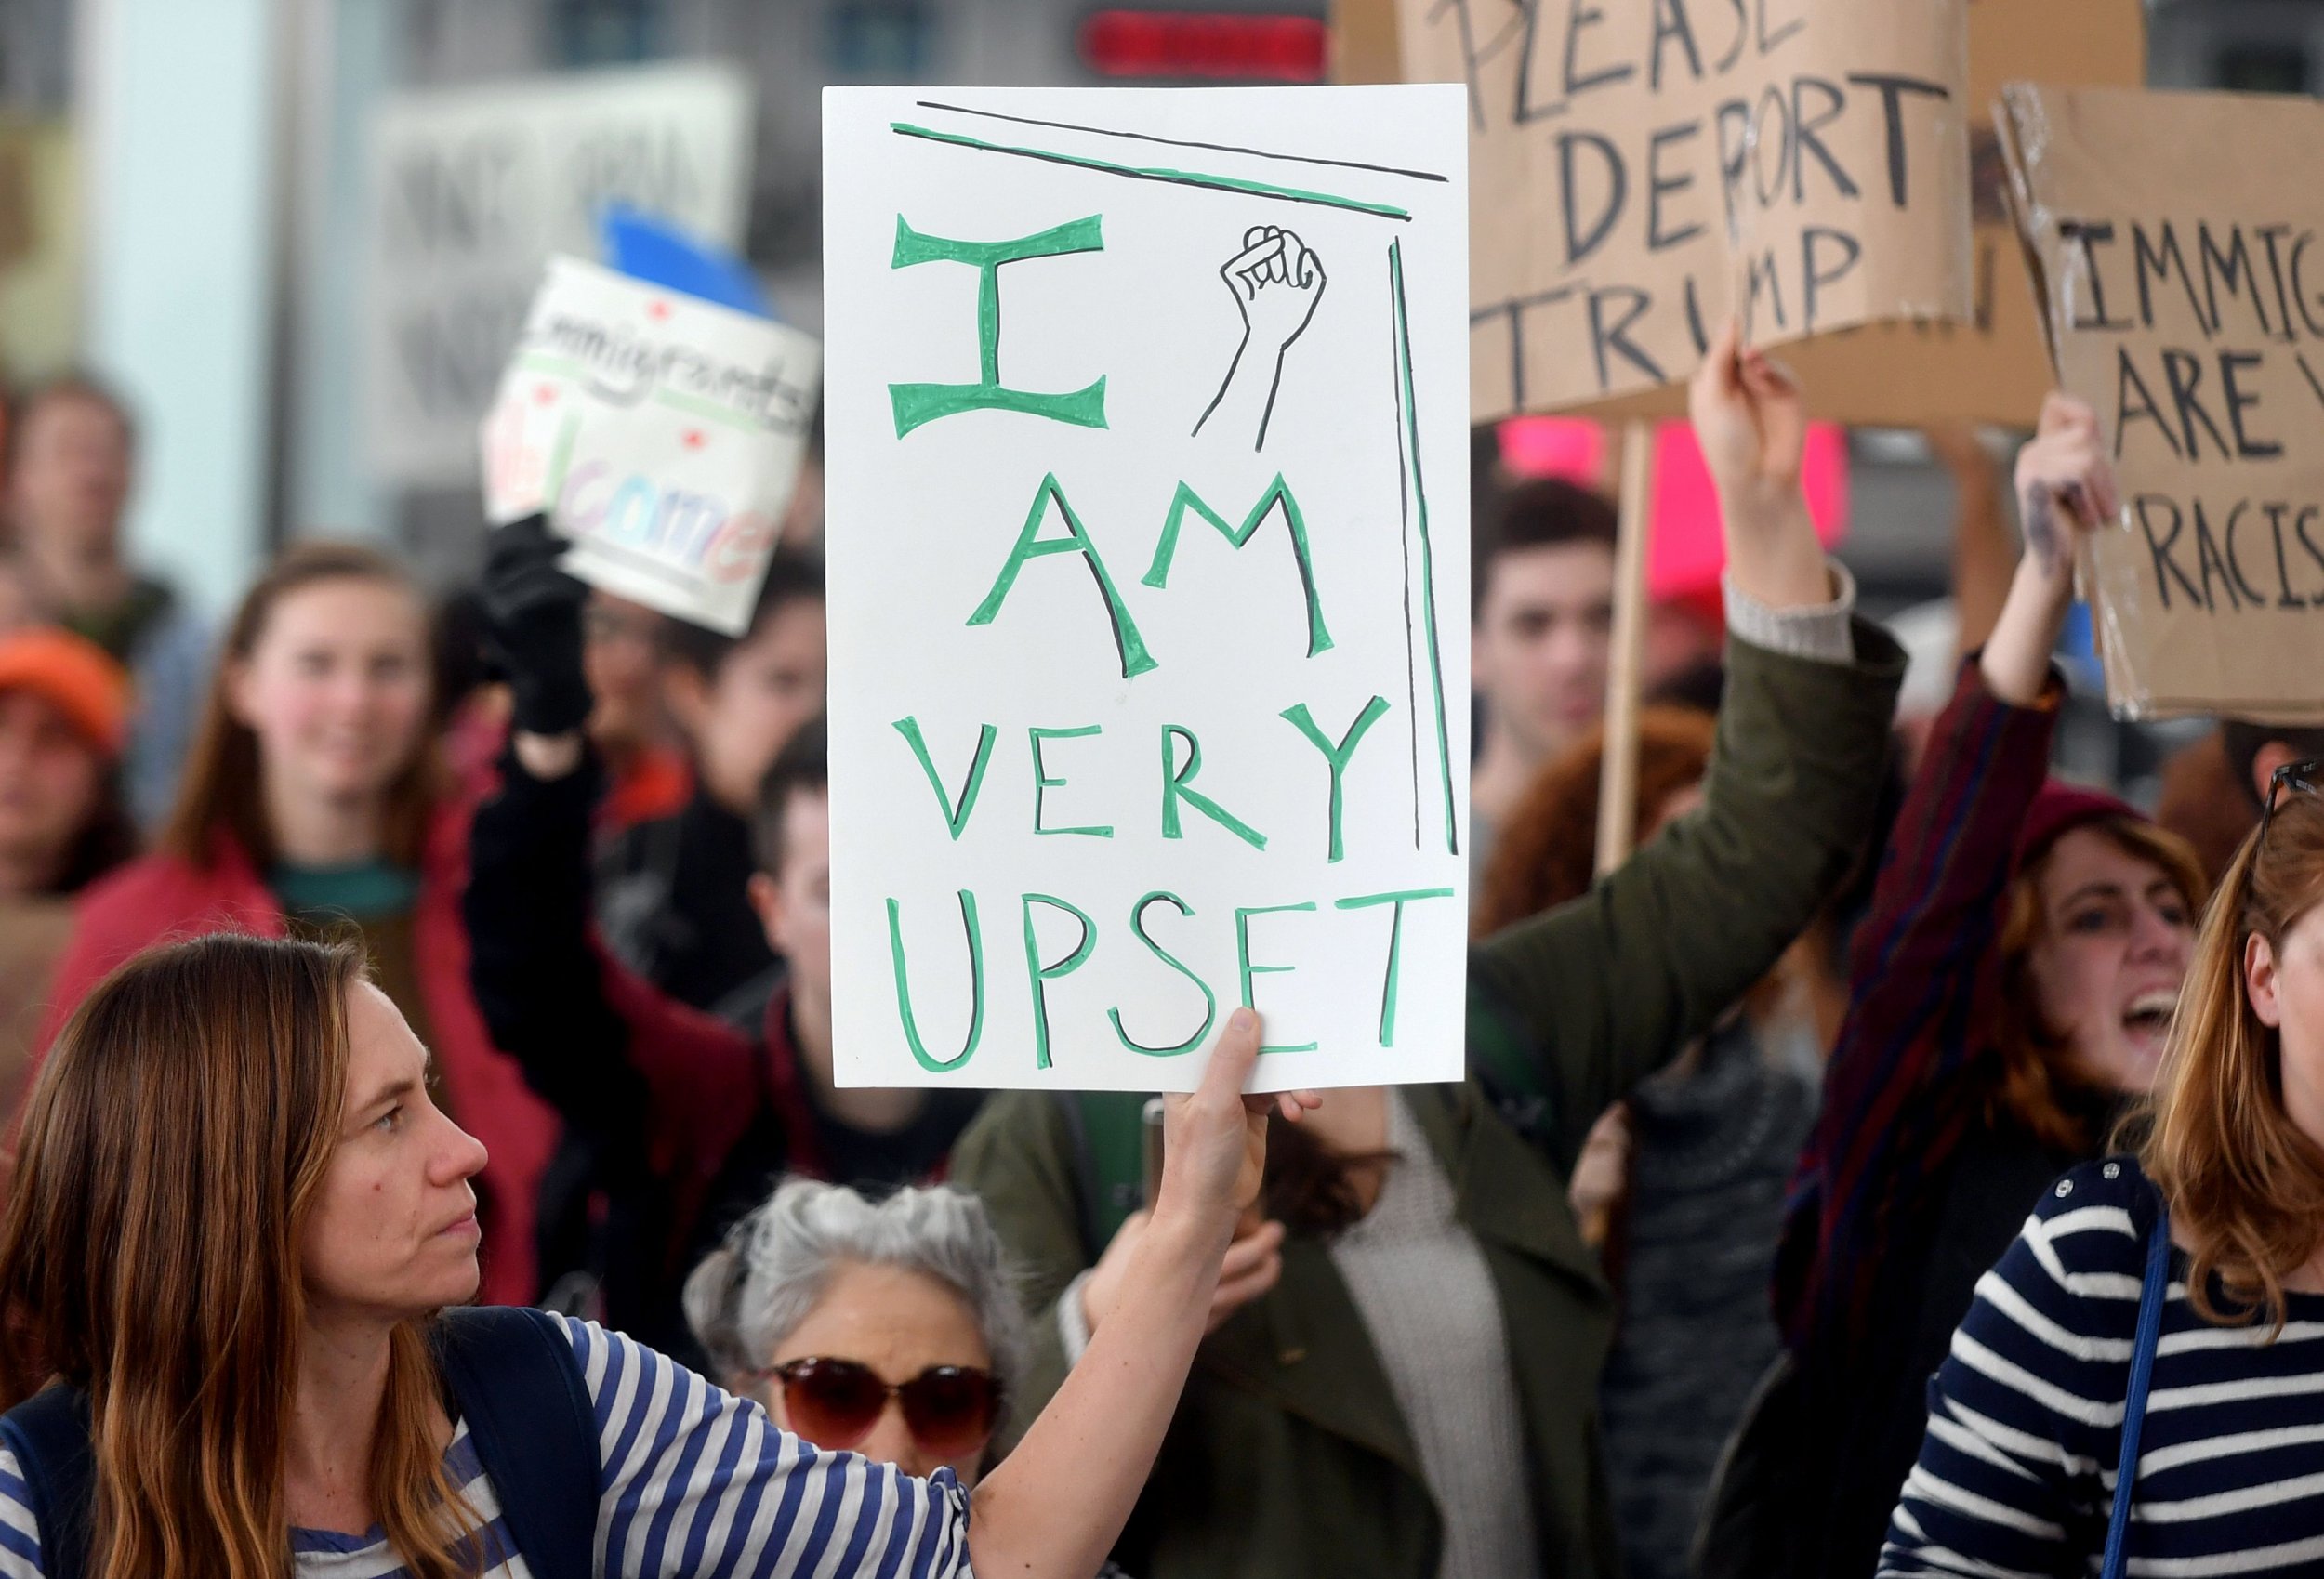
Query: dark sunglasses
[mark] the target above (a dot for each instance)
(2305, 778)
(950, 1410)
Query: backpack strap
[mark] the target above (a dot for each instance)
(518, 1383)
(2154, 1294)
(1106, 1130)
(49, 1434)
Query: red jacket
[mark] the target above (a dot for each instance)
(165, 897)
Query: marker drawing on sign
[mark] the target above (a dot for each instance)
(1182, 142)
(920, 1054)
(1159, 574)
(1277, 283)
(1408, 406)
(918, 404)
(1210, 998)
(1175, 178)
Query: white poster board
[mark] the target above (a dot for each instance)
(474, 189)
(1147, 452)
(663, 433)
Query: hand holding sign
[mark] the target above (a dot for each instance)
(2064, 474)
(1215, 1138)
(1752, 426)
(2065, 484)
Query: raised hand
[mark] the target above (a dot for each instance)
(1752, 426)
(533, 615)
(2065, 481)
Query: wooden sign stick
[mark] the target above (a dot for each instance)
(1618, 777)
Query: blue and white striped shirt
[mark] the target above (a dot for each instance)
(2017, 1471)
(694, 1481)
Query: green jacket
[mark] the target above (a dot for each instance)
(1288, 1456)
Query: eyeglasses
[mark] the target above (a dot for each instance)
(2306, 778)
(950, 1410)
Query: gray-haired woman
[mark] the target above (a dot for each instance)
(887, 1327)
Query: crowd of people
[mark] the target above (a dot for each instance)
(426, 1156)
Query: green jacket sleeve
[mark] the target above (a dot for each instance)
(1017, 1157)
(1570, 1009)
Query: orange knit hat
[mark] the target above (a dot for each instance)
(74, 675)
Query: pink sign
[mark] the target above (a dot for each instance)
(1684, 553)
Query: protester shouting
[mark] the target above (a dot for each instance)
(691, 1123)
(261, 1374)
(314, 798)
(2019, 1470)
(2012, 987)
(72, 459)
(888, 1328)
(1402, 1378)
(671, 892)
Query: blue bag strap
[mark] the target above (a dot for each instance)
(2152, 1296)
(49, 1434)
(518, 1383)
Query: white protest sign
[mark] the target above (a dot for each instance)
(1148, 468)
(473, 188)
(663, 433)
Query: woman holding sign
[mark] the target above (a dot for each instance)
(314, 797)
(261, 1376)
(1401, 1372)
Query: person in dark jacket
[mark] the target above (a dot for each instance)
(2012, 987)
(1402, 1376)
(690, 1120)
(670, 890)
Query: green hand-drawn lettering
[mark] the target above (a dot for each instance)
(1395, 946)
(1128, 644)
(1158, 574)
(1210, 998)
(1041, 975)
(1337, 755)
(1175, 780)
(955, 817)
(917, 404)
(1043, 783)
(920, 1054)
(1242, 959)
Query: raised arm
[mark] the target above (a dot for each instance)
(1924, 963)
(1581, 1003)
(697, 1482)
(617, 1061)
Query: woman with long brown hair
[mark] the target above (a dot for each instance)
(2023, 1465)
(258, 1374)
(2011, 986)
(314, 797)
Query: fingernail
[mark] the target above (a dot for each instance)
(1239, 1020)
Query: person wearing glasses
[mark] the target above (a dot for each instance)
(829, 1308)
(2056, 1366)
(267, 1371)
(2013, 986)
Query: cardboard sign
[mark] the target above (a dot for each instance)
(2184, 301)
(1147, 472)
(662, 434)
(1641, 170)
(474, 189)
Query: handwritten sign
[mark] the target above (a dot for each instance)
(1147, 450)
(2184, 301)
(1641, 170)
(663, 433)
(474, 189)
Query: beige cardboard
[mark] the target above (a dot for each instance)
(2184, 288)
(1363, 42)
(1636, 165)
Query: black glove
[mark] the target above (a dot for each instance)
(533, 622)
